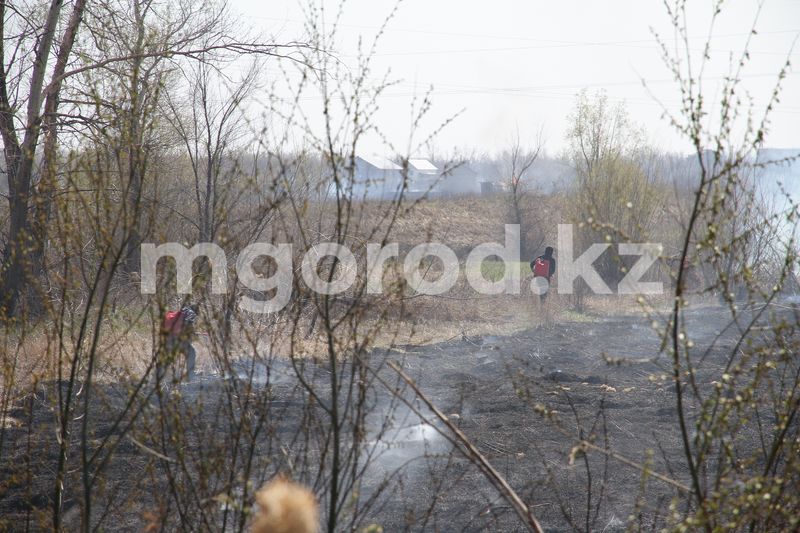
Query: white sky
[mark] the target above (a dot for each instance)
(517, 64)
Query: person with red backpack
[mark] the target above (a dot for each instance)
(179, 329)
(544, 266)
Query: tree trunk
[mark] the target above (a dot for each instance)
(26, 240)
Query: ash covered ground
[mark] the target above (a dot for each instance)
(488, 385)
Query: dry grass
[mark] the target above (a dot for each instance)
(462, 223)
(285, 507)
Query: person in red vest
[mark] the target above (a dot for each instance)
(179, 328)
(544, 266)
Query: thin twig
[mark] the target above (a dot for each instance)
(472, 453)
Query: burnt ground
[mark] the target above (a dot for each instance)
(490, 387)
(494, 383)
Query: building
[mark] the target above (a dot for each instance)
(423, 178)
(380, 177)
(376, 177)
(459, 181)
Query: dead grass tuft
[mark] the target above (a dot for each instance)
(285, 507)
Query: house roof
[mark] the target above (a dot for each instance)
(422, 165)
(462, 170)
(379, 162)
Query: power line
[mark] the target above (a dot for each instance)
(451, 89)
(645, 44)
(521, 38)
(616, 44)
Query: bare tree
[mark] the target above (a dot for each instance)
(211, 125)
(615, 193)
(725, 152)
(22, 82)
(517, 162)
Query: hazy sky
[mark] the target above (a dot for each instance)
(517, 65)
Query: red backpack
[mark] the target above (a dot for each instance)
(173, 322)
(541, 268)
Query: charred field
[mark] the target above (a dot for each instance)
(525, 400)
